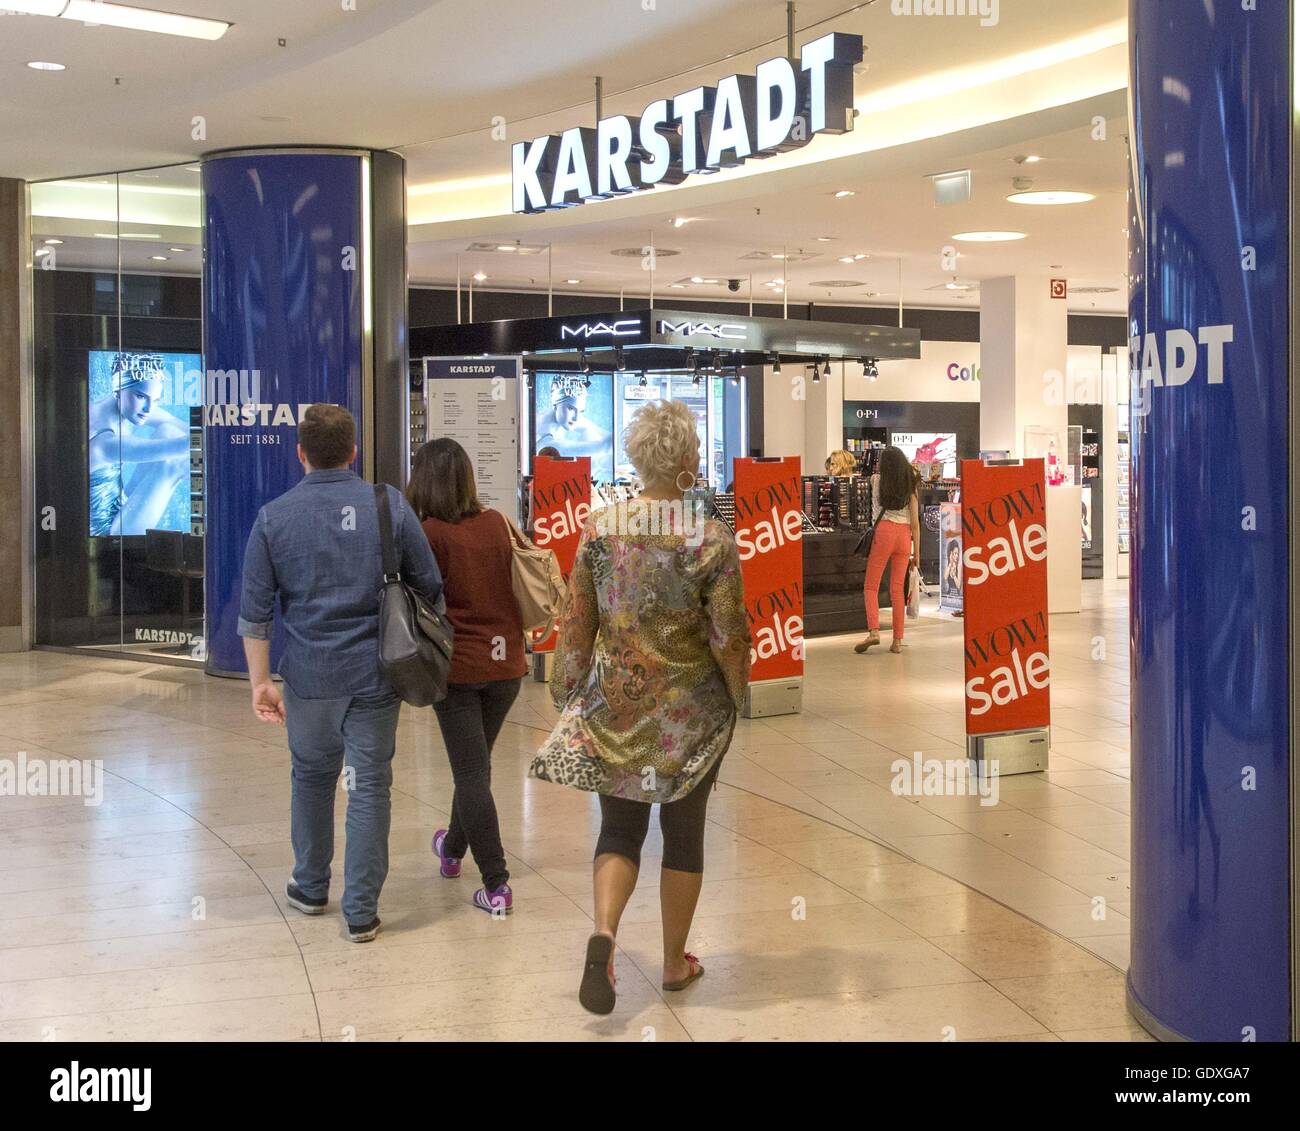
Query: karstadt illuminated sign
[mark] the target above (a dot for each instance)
(778, 108)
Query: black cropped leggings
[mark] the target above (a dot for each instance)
(624, 824)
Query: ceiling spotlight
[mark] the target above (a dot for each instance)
(1051, 196)
(817, 372)
(843, 193)
(642, 382)
(776, 364)
(827, 371)
(620, 362)
(869, 369)
(583, 363)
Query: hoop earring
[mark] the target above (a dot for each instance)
(690, 480)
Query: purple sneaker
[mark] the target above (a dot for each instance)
(448, 866)
(498, 901)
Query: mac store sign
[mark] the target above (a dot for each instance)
(780, 107)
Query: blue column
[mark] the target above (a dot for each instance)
(1209, 222)
(289, 319)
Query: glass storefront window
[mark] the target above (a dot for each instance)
(118, 403)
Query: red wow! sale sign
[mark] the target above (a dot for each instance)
(561, 505)
(769, 537)
(1004, 560)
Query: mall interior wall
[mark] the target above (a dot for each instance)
(15, 368)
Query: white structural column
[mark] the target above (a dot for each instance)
(823, 418)
(1023, 357)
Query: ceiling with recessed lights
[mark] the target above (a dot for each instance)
(935, 94)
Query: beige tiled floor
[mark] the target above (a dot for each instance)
(833, 909)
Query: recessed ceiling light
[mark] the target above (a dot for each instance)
(1027, 159)
(39, 65)
(54, 243)
(988, 237)
(506, 246)
(177, 249)
(44, 251)
(696, 279)
(825, 239)
(846, 259)
(843, 193)
(162, 258)
(479, 277)
(861, 255)
(678, 286)
(573, 282)
(1051, 196)
(681, 221)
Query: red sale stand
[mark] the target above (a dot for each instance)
(1004, 567)
(769, 537)
(561, 504)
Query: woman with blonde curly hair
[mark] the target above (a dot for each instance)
(841, 463)
(650, 672)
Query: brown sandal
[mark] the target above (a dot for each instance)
(697, 971)
(596, 993)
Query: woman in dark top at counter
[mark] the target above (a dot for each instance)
(474, 550)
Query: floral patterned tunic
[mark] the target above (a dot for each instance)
(652, 661)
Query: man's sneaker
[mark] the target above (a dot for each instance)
(363, 932)
(498, 901)
(304, 903)
(448, 866)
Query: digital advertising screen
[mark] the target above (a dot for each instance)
(928, 448)
(576, 420)
(138, 440)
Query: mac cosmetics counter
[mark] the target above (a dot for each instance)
(581, 379)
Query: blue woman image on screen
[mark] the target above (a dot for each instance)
(577, 420)
(138, 451)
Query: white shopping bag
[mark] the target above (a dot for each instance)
(913, 592)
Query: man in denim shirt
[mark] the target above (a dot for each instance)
(317, 549)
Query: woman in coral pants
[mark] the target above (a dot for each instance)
(896, 543)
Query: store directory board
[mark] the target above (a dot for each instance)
(475, 401)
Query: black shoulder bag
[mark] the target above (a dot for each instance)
(863, 548)
(415, 641)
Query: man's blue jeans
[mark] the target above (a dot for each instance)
(324, 735)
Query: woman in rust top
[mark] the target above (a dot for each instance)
(474, 550)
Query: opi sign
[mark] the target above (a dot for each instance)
(776, 109)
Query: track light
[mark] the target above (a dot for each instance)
(776, 364)
(643, 381)
(620, 363)
(827, 371)
(817, 373)
(869, 368)
(583, 363)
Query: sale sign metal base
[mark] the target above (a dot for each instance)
(773, 697)
(1015, 752)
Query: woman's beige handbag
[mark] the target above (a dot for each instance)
(536, 580)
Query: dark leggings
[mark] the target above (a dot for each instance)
(471, 718)
(624, 824)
